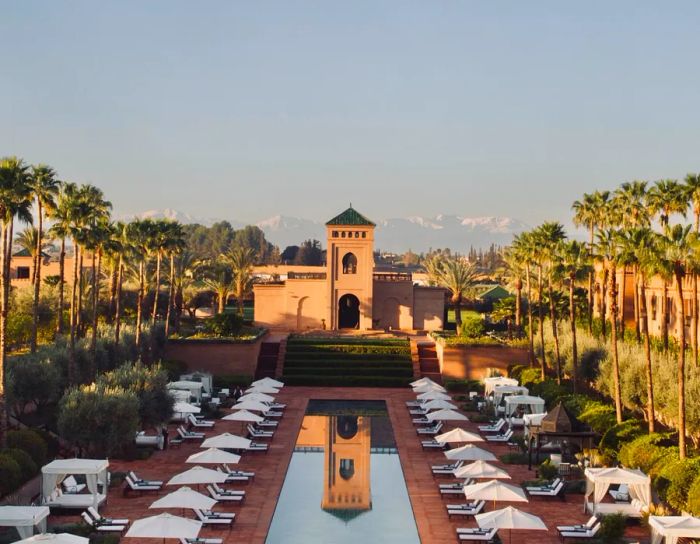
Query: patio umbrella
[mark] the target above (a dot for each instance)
(458, 435)
(251, 406)
(198, 475)
(270, 382)
(54, 538)
(510, 518)
(446, 415)
(469, 453)
(185, 498)
(422, 381)
(213, 456)
(243, 415)
(186, 408)
(433, 395)
(429, 387)
(262, 389)
(164, 526)
(493, 490)
(227, 441)
(258, 397)
(480, 469)
(439, 404)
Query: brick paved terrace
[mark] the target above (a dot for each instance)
(254, 516)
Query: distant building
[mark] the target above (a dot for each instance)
(348, 292)
(22, 267)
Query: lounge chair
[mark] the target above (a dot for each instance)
(201, 541)
(494, 428)
(547, 487)
(70, 485)
(189, 435)
(414, 403)
(267, 423)
(230, 492)
(101, 520)
(456, 488)
(418, 412)
(432, 430)
(237, 498)
(257, 446)
(271, 413)
(212, 520)
(100, 527)
(621, 494)
(467, 509)
(476, 534)
(258, 433)
(133, 486)
(141, 481)
(557, 491)
(422, 421)
(433, 444)
(587, 534)
(447, 469)
(276, 405)
(203, 423)
(583, 527)
(248, 474)
(505, 437)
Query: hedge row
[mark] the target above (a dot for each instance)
(345, 381)
(352, 371)
(349, 348)
(26, 453)
(342, 355)
(322, 363)
(360, 340)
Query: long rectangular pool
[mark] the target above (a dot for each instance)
(344, 483)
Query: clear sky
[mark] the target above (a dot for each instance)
(244, 110)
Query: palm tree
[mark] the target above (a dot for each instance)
(692, 193)
(119, 247)
(457, 275)
(573, 264)
(218, 278)
(140, 235)
(159, 241)
(175, 244)
(99, 237)
(44, 186)
(665, 198)
(241, 261)
(61, 229)
(522, 249)
(515, 270)
(680, 246)
(608, 253)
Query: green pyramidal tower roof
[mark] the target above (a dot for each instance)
(350, 217)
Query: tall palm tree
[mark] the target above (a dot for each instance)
(515, 270)
(159, 242)
(241, 260)
(44, 185)
(61, 229)
(608, 253)
(522, 247)
(457, 275)
(218, 277)
(99, 237)
(691, 187)
(175, 245)
(666, 197)
(120, 247)
(680, 245)
(140, 234)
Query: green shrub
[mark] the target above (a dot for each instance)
(600, 417)
(514, 458)
(173, 368)
(464, 386)
(618, 434)
(472, 327)
(674, 481)
(530, 376)
(226, 324)
(692, 503)
(644, 452)
(231, 381)
(612, 528)
(33, 380)
(10, 475)
(28, 468)
(405, 371)
(31, 442)
(549, 390)
(345, 381)
(547, 470)
(358, 363)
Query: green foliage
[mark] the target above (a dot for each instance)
(345, 381)
(33, 380)
(514, 458)
(472, 326)
(464, 386)
(229, 381)
(19, 329)
(100, 420)
(28, 468)
(530, 376)
(616, 435)
(351, 370)
(648, 452)
(675, 479)
(600, 417)
(10, 474)
(173, 368)
(227, 324)
(31, 442)
(612, 528)
(692, 504)
(547, 470)
(549, 390)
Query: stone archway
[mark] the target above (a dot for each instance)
(348, 312)
(300, 313)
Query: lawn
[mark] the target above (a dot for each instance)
(465, 315)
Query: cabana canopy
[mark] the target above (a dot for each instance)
(501, 391)
(598, 480)
(673, 528)
(535, 405)
(491, 383)
(95, 471)
(24, 518)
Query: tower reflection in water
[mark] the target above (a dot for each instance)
(346, 445)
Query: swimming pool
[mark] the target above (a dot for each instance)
(344, 482)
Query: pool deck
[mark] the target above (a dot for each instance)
(254, 516)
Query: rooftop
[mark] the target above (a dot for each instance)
(350, 217)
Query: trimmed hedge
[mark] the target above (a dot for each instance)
(347, 363)
(31, 442)
(350, 349)
(10, 474)
(345, 381)
(333, 355)
(357, 340)
(28, 468)
(351, 371)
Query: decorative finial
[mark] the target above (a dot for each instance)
(351, 205)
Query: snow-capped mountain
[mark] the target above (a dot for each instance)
(398, 234)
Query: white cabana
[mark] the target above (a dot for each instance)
(528, 403)
(24, 518)
(179, 395)
(194, 388)
(501, 391)
(205, 378)
(598, 480)
(491, 383)
(532, 420)
(673, 527)
(95, 472)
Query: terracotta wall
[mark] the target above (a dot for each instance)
(216, 357)
(295, 304)
(392, 305)
(475, 362)
(428, 308)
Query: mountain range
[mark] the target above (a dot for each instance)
(400, 234)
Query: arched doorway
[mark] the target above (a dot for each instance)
(348, 312)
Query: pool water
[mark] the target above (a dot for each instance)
(344, 482)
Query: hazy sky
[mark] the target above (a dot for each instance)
(244, 110)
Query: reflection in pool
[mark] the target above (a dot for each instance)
(344, 481)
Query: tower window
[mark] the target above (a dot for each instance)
(364, 234)
(357, 234)
(335, 234)
(349, 264)
(342, 234)
(22, 272)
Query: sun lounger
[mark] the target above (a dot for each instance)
(231, 492)
(505, 437)
(587, 534)
(414, 403)
(271, 413)
(237, 498)
(480, 535)
(212, 514)
(267, 423)
(422, 421)
(141, 481)
(433, 444)
(189, 435)
(557, 491)
(446, 469)
(583, 527)
(203, 423)
(101, 520)
(201, 541)
(496, 427)
(100, 527)
(432, 430)
(456, 488)
(133, 486)
(212, 520)
(257, 446)
(467, 509)
(418, 412)
(250, 475)
(258, 433)
(276, 405)
(546, 487)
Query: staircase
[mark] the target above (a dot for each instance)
(267, 360)
(429, 363)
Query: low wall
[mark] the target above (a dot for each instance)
(218, 357)
(475, 362)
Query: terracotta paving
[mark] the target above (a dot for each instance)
(254, 516)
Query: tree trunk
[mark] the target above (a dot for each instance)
(154, 313)
(4, 279)
(37, 280)
(61, 286)
(518, 303)
(79, 314)
(171, 293)
(222, 302)
(621, 302)
(591, 275)
(531, 331)
(647, 354)
(112, 289)
(555, 332)
(572, 320)
(118, 301)
(540, 315)
(73, 314)
(681, 364)
(664, 315)
(635, 280)
(139, 306)
(694, 320)
(613, 340)
(178, 308)
(604, 303)
(95, 300)
(457, 303)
